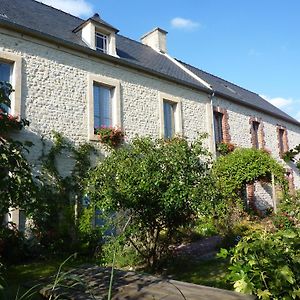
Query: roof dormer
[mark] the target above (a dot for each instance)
(98, 35)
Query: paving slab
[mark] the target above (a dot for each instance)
(132, 285)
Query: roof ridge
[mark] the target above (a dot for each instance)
(219, 78)
(66, 13)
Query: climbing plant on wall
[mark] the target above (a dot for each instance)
(17, 188)
(60, 195)
(245, 166)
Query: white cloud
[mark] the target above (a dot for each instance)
(181, 23)
(75, 7)
(279, 101)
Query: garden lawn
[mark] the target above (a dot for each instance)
(205, 272)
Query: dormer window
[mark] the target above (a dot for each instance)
(98, 35)
(101, 42)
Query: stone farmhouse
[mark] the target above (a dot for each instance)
(72, 75)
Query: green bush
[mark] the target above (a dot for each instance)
(90, 236)
(160, 185)
(125, 254)
(243, 166)
(17, 188)
(267, 264)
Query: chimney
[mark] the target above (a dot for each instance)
(156, 39)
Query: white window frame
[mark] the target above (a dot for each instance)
(177, 114)
(105, 39)
(16, 80)
(115, 87)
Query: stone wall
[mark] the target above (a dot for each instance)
(54, 96)
(239, 118)
(55, 91)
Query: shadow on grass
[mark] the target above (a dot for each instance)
(21, 277)
(205, 272)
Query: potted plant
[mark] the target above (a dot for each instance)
(110, 136)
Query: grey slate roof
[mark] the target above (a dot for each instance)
(41, 19)
(96, 18)
(241, 95)
(45, 19)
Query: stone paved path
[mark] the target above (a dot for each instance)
(131, 285)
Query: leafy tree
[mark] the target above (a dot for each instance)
(160, 185)
(17, 188)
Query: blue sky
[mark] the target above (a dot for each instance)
(253, 43)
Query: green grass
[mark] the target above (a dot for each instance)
(210, 272)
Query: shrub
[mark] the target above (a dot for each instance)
(160, 185)
(225, 148)
(243, 166)
(267, 264)
(17, 188)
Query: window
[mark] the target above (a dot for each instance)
(218, 119)
(104, 104)
(11, 71)
(280, 140)
(5, 71)
(255, 141)
(5, 75)
(169, 119)
(101, 42)
(170, 116)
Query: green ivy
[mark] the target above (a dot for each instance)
(59, 195)
(244, 166)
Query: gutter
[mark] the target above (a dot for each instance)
(90, 52)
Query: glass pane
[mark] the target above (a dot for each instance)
(5, 70)
(169, 128)
(281, 147)
(102, 107)
(5, 73)
(218, 117)
(101, 42)
(255, 126)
